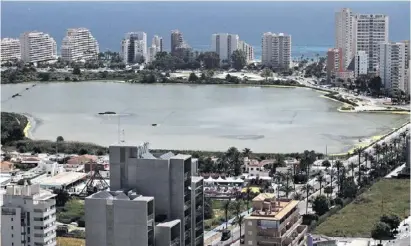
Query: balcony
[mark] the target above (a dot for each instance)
(44, 221)
(150, 217)
(175, 241)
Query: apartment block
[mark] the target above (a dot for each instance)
(224, 45)
(28, 216)
(274, 222)
(168, 178)
(248, 50)
(79, 44)
(119, 218)
(176, 40)
(276, 50)
(168, 233)
(371, 31)
(10, 49)
(37, 47)
(157, 42)
(134, 47)
(345, 35)
(335, 63)
(392, 66)
(360, 64)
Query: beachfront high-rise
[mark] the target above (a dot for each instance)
(10, 49)
(335, 63)
(134, 48)
(345, 35)
(392, 68)
(176, 40)
(224, 44)
(28, 216)
(178, 195)
(157, 42)
(371, 31)
(37, 47)
(360, 32)
(79, 45)
(276, 50)
(247, 49)
(360, 63)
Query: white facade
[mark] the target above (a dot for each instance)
(157, 42)
(224, 45)
(276, 50)
(134, 47)
(392, 66)
(10, 49)
(37, 46)
(79, 44)
(28, 216)
(360, 64)
(152, 52)
(345, 35)
(248, 50)
(371, 31)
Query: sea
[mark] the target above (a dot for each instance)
(311, 24)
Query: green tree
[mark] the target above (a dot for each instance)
(211, 60)
(60, 139)
(392, 220)
(238, 60)
(328, 190)
(62, 197)
(326, 163)
(226, 207)
(320, 179)
(44, 76)
(247, 152)
(193, 77)
(266, 73)
(240, 221)
(208, 208)
(350, 189)
(76, 70)
(381, 231)
(307, 188)
(321, 205)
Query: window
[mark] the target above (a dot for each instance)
(12, 235)
(250, 223)
(12, 227)
(11, 219)
(250, 233)
(250, 242)
(28, 239)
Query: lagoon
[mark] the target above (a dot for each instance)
(203, 117)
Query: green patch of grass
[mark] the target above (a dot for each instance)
(68, 241)
(388, 196)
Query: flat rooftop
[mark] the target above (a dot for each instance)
(279, 207)
(62, 179)
(169, 223)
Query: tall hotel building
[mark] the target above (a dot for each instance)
(392, 66)
(276, 50)
(79, 44)
(156, 46)
(345, 35)
(335, 63)
(177, 40)
(37, 47)
(28, 216)
(248, 50)
(360, 32)
(224, 45)
(10, 49)
(134, 47)
(153, 189)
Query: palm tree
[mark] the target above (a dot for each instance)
(240, 221)
(297, 196)
(320, 179)
(226, 209)
(307, 188)
(247, 153)
(352, 166)
(366, 156)
(377, 149)
(359, 152)
(248, 194)
(338, 165)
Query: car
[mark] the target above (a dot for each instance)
(225, 235)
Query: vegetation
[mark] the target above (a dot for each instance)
(336, 96)
(46, 146)
(386, 196)
(68, 241)
(73, 211)
(12, 127)
(238, 60)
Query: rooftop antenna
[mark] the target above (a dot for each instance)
(123, 136)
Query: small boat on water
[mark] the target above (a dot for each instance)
(107, 112)
(154, 124)
(16, 95)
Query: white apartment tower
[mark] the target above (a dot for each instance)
(360, 64)
(392, 66)
(158, 43)
(37, 46)
(371, 31)
(79, 44)
(10, 49)
(247, 49)
(134, 47)
(224, 45)
(276, 50)
(345, 35)
(28, 216)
